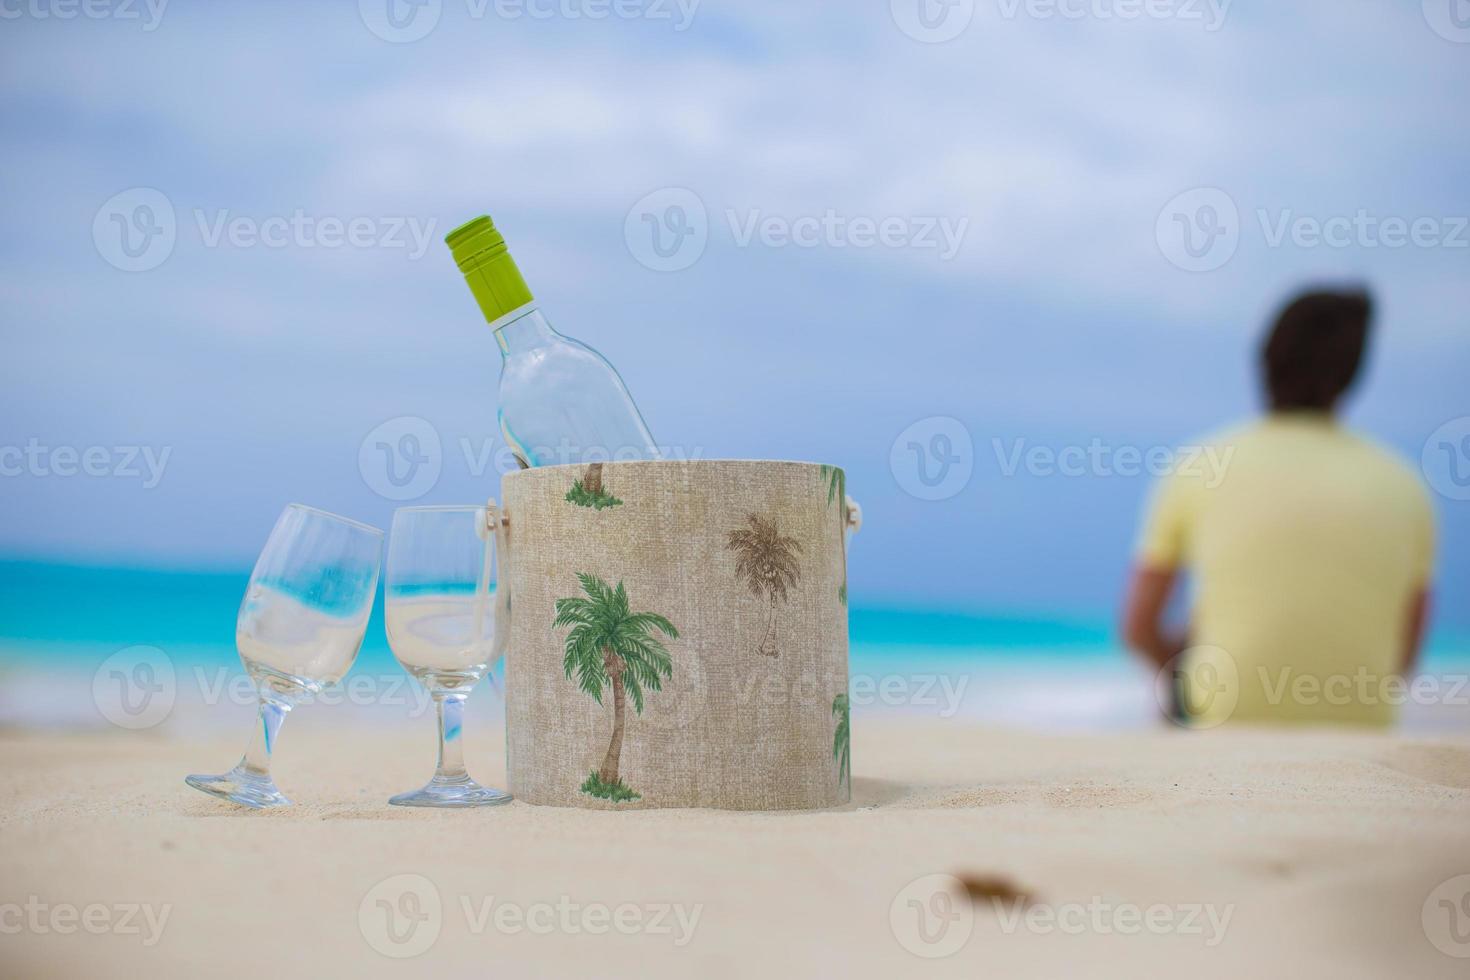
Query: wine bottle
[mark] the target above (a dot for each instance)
(560, 400)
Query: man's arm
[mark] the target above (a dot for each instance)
(1417, 621)
(1143, 615)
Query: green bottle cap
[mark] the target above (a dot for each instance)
(479, 251)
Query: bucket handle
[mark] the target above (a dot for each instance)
(497, 527)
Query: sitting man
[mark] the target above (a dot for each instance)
(1308, 547)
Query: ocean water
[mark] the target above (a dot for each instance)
(1062, 673)
(49, 612)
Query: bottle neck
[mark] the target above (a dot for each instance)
(523, 329)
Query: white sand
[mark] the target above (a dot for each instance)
(1322, 849)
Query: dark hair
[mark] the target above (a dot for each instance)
(1312, 354)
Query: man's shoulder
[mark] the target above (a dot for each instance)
(1230, 435)
(1203, 459)
(1385, 463)
(1221, 443)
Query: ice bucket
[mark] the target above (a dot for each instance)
(677, 634)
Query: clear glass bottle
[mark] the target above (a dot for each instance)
(560, 400)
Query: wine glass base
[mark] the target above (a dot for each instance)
(452, 793)
(239, 786)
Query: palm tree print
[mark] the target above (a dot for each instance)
(610, 646)
(766, 563)
(836, 480)
(842, 740)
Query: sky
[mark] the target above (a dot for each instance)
(932, 243)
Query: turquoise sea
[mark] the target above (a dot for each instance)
(1055, 673)
(48, 609)
(49, 612)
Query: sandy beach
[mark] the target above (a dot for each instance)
(1226, 853)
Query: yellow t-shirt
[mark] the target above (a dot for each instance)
(1305, 545)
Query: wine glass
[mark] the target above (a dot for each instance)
(299, 629)
(440, 621)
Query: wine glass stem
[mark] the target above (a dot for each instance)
(450, 708)
(257, 760)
